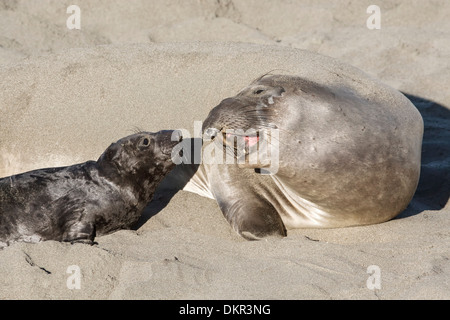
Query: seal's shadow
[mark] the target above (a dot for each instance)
(433, 190)
(172, 183)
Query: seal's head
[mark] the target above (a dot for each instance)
(254, 108)
(141, 159)
(244, 124)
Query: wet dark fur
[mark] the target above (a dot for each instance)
(78, 202)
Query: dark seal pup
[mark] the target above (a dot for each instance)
(78, 202)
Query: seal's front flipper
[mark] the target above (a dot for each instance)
(81, 232)
(253, 219)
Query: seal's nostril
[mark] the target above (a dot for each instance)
(211, 132)
(177, 136)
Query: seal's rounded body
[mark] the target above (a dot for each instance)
(346, 157)
(78, 202)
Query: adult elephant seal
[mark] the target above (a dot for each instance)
(346, 157)
(78, 202)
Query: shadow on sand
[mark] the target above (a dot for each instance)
(433, 190)
(174, 182)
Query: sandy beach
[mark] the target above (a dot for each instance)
(67, 94)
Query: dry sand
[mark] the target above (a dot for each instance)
(65, 95)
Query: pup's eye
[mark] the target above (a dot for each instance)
(145, 142)
(259, 91)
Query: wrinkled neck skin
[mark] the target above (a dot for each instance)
(139, 184)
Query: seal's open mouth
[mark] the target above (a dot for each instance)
(251, 141)
(238, 141)
(230, 136)
(249, 148)
(241, 143)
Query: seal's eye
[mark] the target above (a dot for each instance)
(259, 91)
(145, 142)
